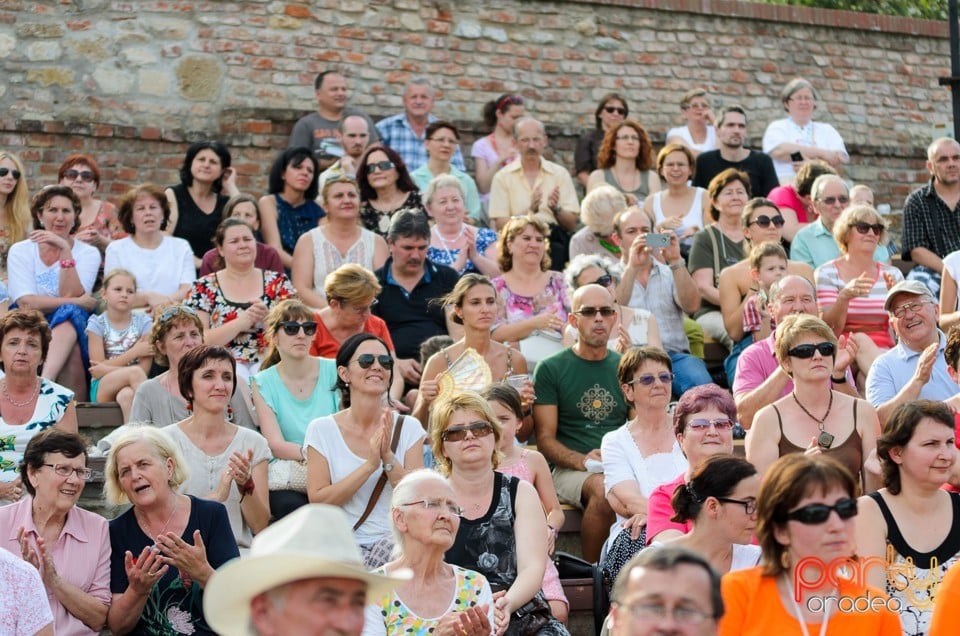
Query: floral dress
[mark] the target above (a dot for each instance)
(379, 222)
(207, 296)
(52, 403)
(514, 307)
(485, 238)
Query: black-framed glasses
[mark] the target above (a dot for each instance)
(383, 166)
(5, 171)
(437, 506)
(365, 360)
(913, 307)
(749, 505)
(654, 612)
(459, 433)
(292, 327)
(702, 424)
(863, 227)
(83, 474)
(176, 310)
(84, 175)
(648, 379)
(615, 110)
(842, 200)
(815, 514)
(764, 221)
(805, 351)
(591, 312)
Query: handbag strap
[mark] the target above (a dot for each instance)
(382, 482)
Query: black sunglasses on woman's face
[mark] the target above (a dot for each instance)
(365, 360)
(291, 327)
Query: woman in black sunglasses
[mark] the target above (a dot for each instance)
(913, 519)
(852, 289)
(98, 218)
(385, 187)
(14, 206)
(611, 110)
(806, 514)
(349, 451)
(814, 418)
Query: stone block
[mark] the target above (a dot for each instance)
(42, 51)
(112, 80)
(153, 82)
(199, 78)
(50, 76)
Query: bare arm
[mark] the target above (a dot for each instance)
(687, 293)
(270, 230)
(255, 507)
(925, 257)
(731, 302)
(749, 402)
(871, 538)
(428, 387)
(174, 211)
(270, 428)
(791, 224)
(869, 425)
(301, 273)
(543, 482)
(703, 278)
(68, 422)
(949, 315)
(530, 531)
(545, 425)
(763, 439)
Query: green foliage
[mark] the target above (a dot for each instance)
(929, 9)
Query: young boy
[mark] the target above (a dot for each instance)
(768, 263)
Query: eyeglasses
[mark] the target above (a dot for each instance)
(176, 310)
(863, 227)
(603, 281)
(5, 171)
(764, 221)
(444, 140)
(529, 140)
(658, 612)
(292, 327)
(702, 424)
(84, 175)
(615, 110)
(648, 379)
(912, 307)
(801, 99)
(831, 200)
(749, 505)
(83, 474)
(383, 166)
(459, 433)
(628, 137)
(437, 506)
(804, 351)
(364, 308)
(591, 312)
(818, 513)
(365, 360)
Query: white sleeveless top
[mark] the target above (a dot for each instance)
(693, 217)
(326, 256)
(684, 133)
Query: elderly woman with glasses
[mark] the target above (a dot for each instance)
(385, 188)
(806, 514)
(356, 456)
(98, 219)
(67, 544)
(814, 418)
(503, 531)
(453, 241)
(852, 289)
(440, 598)
(340, 240)
(698, 132)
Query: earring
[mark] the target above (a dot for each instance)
(229, 413)
(189, 407)
(785, 560)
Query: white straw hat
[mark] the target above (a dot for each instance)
(314, 541)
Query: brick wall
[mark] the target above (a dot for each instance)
(133, 81)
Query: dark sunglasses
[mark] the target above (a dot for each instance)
(702, 424)
(382, 166)
(85, 175)
(805, 351)
(5, 171)
(615, 109)
(764, 221)
(291, 327)
(647, 380)
(459, 433)
(818, 513)
(863, 228)
(832, 200)
(591, 312)
(604, 281)
(365, 360)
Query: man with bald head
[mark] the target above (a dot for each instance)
(578, 401)
(931, 215)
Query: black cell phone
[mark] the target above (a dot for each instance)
(797, 156)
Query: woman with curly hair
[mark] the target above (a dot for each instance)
(625, 161)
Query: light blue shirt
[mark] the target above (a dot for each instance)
(471, 196)
(815, 245)
(890, 372)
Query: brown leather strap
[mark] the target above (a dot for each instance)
(382, 482)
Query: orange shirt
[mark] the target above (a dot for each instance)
(946, 614)
(753, 607)
(326, 346)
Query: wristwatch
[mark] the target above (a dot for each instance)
(388, 467)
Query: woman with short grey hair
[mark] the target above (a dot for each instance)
(453, 241)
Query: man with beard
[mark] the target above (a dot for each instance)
(730, 153)
(578, 401)
(931, 215)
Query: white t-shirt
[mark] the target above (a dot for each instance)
(29, 276)
(684, 133)
(161, 270)
(815, 134)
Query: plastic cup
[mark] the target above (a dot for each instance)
(518, 381)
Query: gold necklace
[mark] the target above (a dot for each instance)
(33, 394)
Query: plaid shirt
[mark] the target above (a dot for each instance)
(396, 132)
(929, 223)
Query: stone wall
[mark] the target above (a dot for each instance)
(133, 81)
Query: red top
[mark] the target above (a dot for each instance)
(326, 346)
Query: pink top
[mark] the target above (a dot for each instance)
(659, 510)
(786, 197)
(81, 556)
(22, 610)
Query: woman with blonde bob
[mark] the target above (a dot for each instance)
(503, 531)
(167, 545)
(599, 208)
(806, 512)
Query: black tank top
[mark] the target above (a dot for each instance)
(194, 225)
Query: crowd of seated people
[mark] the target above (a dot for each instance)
(265, 355)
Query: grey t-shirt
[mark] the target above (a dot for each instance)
(316, 132)
(153, 404)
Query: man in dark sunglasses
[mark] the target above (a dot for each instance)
(730, 153)
(578, 401)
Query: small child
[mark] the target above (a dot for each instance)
(768, 263)
(120, 350)
(530, 466)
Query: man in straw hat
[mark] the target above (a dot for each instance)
(304, 575)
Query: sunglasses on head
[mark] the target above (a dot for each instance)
(863, 227)
(805, 351)
(591, 312)
(365, 360)
(818, 513)
(764, 221)
(382, 166)
(604, 281)
(459, 433)
(84, 175)
(702, 424)
(176, 310)
(647, 380)
(615, 109)
(292, 327)
(5, 171)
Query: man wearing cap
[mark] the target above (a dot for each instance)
(915, 368)
(304, 575)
